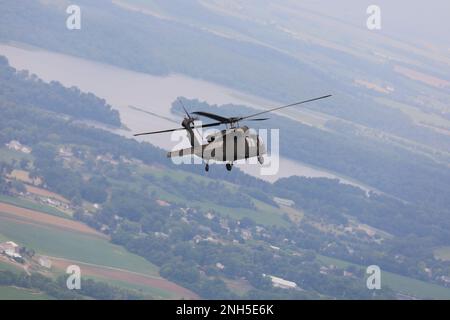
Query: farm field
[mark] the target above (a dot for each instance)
(156, 286)
(264, 214)
(46, 193)
(13, 293)
(24, 203)
(405, 285)
(9, 156)
(32, 216)
(70, 240)
(5, 265)
(442, 253)
(51, 241)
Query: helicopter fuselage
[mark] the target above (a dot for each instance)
(227, 146)
(233, 144)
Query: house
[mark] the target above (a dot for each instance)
(162, 203)
(12, 254)
(209, 216)
(161, 235)
(445, 279)
(220, 266)
(8, 246)
(45, 262)
(211, 239)
(246, 234)
(65, 152)
(323, 270)
(10, 249)
(17, 146)
(283, 202)
(281, 283)
(347, 274)
(107, 158)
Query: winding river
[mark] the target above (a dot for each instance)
(138, 95)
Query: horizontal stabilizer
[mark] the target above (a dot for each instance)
(185, 152)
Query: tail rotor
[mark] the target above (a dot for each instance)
(188, 124)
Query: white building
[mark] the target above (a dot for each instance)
(12, 253)
(8, 246)
(17, 146)
(283, 202)
(220, 266)
(45, 262)
(282, 283)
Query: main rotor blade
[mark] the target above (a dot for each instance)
(156, 132)
(178, 129)
(153, 114)
(182, 105)
(212, 116)
(258, 119)
(289, 105)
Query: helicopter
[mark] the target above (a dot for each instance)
(229, 145)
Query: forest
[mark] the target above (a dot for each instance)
(33, 92)
(57, 288)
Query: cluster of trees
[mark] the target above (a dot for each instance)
(29, 90)
(58, 289)
(9, 186)
(39, 282)
(197, 190)
(335, 202)
(181, 261)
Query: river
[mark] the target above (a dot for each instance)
(132, 92)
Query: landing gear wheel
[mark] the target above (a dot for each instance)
(261, 160)
(229, 166)
(207, 167)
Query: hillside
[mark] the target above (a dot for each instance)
(63, 240)
(77, 188)
(139, 200)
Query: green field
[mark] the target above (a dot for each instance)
(148, 292)
(264, 214)
(405, 285)
(3, 238)
(9, 156)
(74, 246)
(79, 247)
(4, 266)
(13, 293)
(23, 203)
(442, 253)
